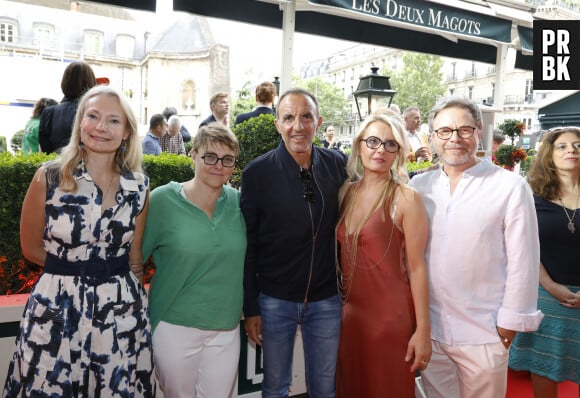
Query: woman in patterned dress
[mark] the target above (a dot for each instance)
(85, 331)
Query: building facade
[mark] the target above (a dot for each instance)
(155, 61)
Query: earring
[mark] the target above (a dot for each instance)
(123, 146)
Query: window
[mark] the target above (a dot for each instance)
(529, 86)
(94, 42)
(125, 46)
(188, 92)
(43, 36)
(470, 92)
(7, 32)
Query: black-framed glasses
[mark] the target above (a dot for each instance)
(445, 133)
(211, 159)
(375, 142)
(307, 185)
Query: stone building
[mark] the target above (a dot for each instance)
(156, 60)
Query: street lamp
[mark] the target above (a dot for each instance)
(373, 92)
(276, 83)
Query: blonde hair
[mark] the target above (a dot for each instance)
(398, 173)
(127, 159)
(215, 133)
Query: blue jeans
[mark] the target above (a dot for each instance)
(320, 326)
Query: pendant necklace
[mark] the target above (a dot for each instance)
(571, 226)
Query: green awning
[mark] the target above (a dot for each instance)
(429, 15)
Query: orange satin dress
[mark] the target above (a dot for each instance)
(378, 316)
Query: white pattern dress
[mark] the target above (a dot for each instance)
(86, 335)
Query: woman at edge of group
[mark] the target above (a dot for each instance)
(382, 231)
(85, 329)
(198, 244)
(551, 353)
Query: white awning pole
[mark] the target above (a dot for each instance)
(288, 27)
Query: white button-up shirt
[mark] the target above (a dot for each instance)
(483, 254)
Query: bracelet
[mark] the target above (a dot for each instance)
(505, 340)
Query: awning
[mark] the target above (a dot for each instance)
(426, 16)
(332, 21)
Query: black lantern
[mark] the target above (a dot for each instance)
(276, 83)
(373, 92)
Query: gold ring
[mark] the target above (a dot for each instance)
(424, 361)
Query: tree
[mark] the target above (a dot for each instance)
(419, 84)
(243, 102)
(333, 105)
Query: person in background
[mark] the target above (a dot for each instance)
(497, 139)
(30, 137)
(382, 231)
(197, 289)
(157, 129)
(170, 111)
(85, 331)
(412, 118)
(397, 109)
(551, 354)
(56, 121)
(482, 258)
(265, 94)
(172, 141)
(290, 204)
(220, 109)
(329, 142)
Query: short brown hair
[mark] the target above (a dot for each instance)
(218, 96)
(265, 92)
(77, 79)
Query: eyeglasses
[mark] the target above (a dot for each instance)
(211, 159)
(307, 185)
(374, 143)
(445, 133)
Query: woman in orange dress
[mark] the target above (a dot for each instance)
(382, 231)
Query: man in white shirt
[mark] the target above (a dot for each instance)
(483, 259)
(419, 143)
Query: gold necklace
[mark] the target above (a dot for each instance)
(107, 191)
(351, 246)
(571, 226)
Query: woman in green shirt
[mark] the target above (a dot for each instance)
(30, 137)
(197, 237)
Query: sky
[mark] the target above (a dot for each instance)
(256, 51)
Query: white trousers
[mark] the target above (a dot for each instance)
(196, 363)
(466, 371)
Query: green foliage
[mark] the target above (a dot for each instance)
(3, 146)
(16, 141)
(243, 102)
(414, 166)
(16, 171)
(257, 136)
(419, 83)
(167, 167)
(332, 103)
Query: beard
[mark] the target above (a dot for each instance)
(457, 159)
